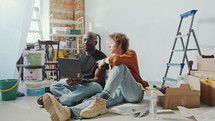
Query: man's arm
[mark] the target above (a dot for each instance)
(98, 76)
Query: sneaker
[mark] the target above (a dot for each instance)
(97, 107)
(56, 110)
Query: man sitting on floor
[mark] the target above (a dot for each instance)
(74, 91)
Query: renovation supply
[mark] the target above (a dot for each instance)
(74, 31)
(139, 114)
(36, 46)
(59, 30)
(153, 105)
(182, 96)
(205, 74)
(206, 63)
(188, 95)
(180, 36)
(163, 90)
(164, 87)
(207, 89)
(33, 58)
(190, 65)
(8, 89)
(34, 73)
(35, 88)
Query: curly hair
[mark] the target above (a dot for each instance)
(121, 38)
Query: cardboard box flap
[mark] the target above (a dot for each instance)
(157, 92)
(194, 83)
(206, 63)
(183, 90)
(206, 74)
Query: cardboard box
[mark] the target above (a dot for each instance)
(188, 95)
(208, 91)
(206, 74)
(207, 85)
(206, 63)
(182, 96)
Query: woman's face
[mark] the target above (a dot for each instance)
(114, 47)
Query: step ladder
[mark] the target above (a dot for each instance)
(184, 46)
(39, 25)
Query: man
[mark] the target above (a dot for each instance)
(124, 84)
(73, 91)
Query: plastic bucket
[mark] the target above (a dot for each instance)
(8, 89)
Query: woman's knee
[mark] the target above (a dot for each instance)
(120, 67)
(135, 98)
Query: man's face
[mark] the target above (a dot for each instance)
(88, 43)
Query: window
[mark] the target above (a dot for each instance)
(34, 29)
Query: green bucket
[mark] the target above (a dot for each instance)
(8, 89)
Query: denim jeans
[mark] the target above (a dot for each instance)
(71, 95)
(122, 87)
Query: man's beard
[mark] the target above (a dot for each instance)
(89, 49)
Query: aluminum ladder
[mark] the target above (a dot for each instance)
(184, 46)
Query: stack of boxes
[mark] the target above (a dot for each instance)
(34, 72)
(206, 75)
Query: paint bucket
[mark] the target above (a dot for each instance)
(8, 89)
(35, 88)
(34, 58)
(34, 72)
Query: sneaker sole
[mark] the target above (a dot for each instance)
(51, 107)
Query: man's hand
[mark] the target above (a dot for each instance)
(71, 82)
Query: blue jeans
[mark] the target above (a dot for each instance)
(71, 95)
(122, 87)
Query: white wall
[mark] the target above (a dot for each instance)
(151, 26)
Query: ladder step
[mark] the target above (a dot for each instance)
(183, 35)
(176, 64)
(169, 79)
(181, 50)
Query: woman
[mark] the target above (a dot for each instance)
(124, 83)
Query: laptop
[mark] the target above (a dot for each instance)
(70, 68)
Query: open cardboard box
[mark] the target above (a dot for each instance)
(206, 63)
(205, 74)
(188, 95)
(207, 81)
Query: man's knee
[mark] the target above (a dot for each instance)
(54, 85)
(95, 86)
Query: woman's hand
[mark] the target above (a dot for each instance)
(101, 63)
